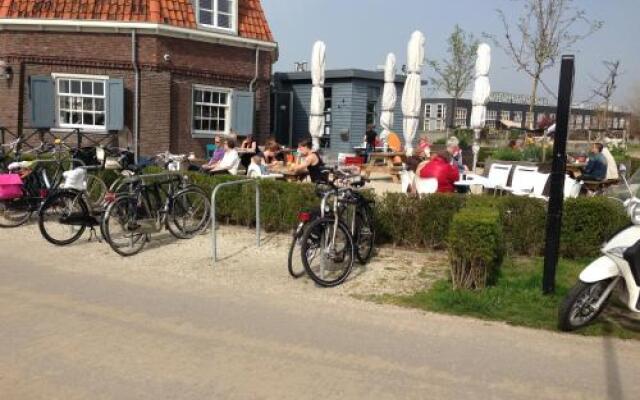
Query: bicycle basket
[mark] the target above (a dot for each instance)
(10, 186)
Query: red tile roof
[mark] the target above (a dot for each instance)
(252, 22)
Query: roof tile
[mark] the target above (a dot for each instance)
(252, 22)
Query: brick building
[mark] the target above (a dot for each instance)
(196, 68)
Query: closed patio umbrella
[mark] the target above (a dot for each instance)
(389, 97)
(316, 116)
(411, 95)
(481, 92)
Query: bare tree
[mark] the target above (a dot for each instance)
(543, 32)
(605, 91)
(455, 74)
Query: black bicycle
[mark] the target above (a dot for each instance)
(151, 204)
(329, 238)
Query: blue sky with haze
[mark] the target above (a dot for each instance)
(359, 34)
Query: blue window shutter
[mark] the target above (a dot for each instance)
(42, 102)
(115, 104)
(242, 112)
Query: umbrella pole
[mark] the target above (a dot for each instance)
(476, 149)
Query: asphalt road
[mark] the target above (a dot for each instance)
(70, 335)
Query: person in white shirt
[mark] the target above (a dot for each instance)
(230, 162)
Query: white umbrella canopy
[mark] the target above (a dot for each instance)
(411, 95)
(316, 118)
(389, 96)
(481, 92)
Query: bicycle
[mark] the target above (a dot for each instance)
(153, 203)
(337, 233)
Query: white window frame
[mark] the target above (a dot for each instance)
(623, 123)
(57, 77)
(202, 134)
(529, 118)
(587, 122)
(579, 120)
(441, 116)
(214, 17)
(461, 117)
(492, 119)
(505, 115)
(426, 117)
(517, 117)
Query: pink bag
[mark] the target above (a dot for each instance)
(10, 186)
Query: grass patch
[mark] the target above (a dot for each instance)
(516, 298)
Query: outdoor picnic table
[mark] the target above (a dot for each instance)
(575, 167)
(288, 174)
(242, 151)
(387, 165)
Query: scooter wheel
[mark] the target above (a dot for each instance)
(578, 308)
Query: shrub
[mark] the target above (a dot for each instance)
(476, 249)
(507, 154)
(414, 221)
(587, 223)
(523, 222)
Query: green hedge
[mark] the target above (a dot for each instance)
(476, 247)
(417, 222)
(424, 222)
(587, 223)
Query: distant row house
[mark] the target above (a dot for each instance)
(438, 116)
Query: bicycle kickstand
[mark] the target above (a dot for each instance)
(92, 234)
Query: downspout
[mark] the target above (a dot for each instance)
(252, 90)
(136, 95)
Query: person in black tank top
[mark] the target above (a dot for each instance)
(312, 163)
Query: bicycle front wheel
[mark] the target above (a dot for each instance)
(365, 235)
(189, 215)
(62, 218)
(121, 229)
(96, 190)
(327, 257)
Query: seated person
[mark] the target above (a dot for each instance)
(250, 146)
(230, 162)
(311, 162)
(596, 168)
(424, 147)
(257, 167)
(217, 155)
(455, 154)
(441, 169)
(272, 154)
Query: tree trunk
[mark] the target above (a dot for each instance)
(453, 113)
(604, 132)
(532, 104)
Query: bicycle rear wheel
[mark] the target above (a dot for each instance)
(96, 190)
(327, 261)
(120, 228)
(14, 213)
(62, 218)
(294, 261)
(365, 234)
(189, 215)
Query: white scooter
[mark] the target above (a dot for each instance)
(619, 265)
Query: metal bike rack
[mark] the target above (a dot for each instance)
(214, 241)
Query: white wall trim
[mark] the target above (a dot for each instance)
(57, 25)
(56, 75)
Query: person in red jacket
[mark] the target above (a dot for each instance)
(440, 168)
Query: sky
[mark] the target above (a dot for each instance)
(359, 34)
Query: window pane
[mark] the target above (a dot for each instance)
(63, 86)
(215, 98)
(87, 104)
(98, 88)
(215, 125)
(75, 118)
(205, 124)
(87, 87)
(206, 112)
(197, 124)
(221, 125)
(206, 4)
(99, 104)
(76, 103)
(197, 96)
(206, 18)
(224, 21)
(215, 113)
(87, 119)
(65, 117)
(100, 119)
(207, 97)
(75, 87)
(65, 104)
(224, 6)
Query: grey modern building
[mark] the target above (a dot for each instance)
(438, 114)
(352, 101)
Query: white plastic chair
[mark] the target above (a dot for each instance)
(498, 176)
(539, 183)
(522, 181)
(426, 185)
(571, 187)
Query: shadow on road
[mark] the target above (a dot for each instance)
(612, 369)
